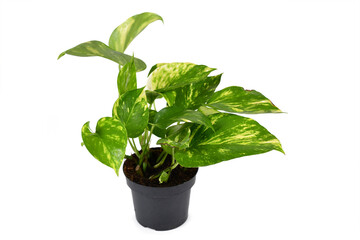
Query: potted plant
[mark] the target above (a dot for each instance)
(198, 127)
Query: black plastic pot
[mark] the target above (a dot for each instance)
(161, 208)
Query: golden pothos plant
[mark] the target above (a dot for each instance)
(198, 127)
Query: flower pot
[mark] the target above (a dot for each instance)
(161, 208)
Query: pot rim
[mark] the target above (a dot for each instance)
(155, 187)
(161, 192)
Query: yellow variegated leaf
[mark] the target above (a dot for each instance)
(238, 100)
(207, 111)
(234, 136)
(126, 80)
(193, 95)
(178, 136)
(97, 48)
(122, 36)
(151, 96)
(169, 76)
(170, 115)
(132, 109)
(108, 143)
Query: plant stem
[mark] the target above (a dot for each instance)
(143, 159)
(169, 169)
(172, 167)
(155, 176)
(140, 156)
(173, 156)
(149, 138)
(145, 136)
(133, 143)
(134, 149)
(162, 161)
(160, 156)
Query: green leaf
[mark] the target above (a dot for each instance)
(170, 97)
(152, 95)
(122, 36)
(238, 100)
(207, 111)
(159, 132)
(132, 109)
(235, 136)
(193, 95)
(126, 80)
(178, 136)
(169, 115)
(108, 143)
(167, 149)
(97, 48)
(164, 177)
(175, 130)
(169, 76)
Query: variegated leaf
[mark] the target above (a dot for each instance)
(175, 130)
(122, 36)
(178, 136)
(164, 177)
(152, 95)
(126, 80)
(193, 95)
(132, 109)
(235, 136)
(170, 115)
(108, 143)
(97, 48)
(207, 111)
(169, 76)
(159, 132)
(170, 97)
(238, 100)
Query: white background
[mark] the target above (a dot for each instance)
(303, 55)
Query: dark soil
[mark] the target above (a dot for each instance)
(178, 175)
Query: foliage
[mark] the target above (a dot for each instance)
(199, 127)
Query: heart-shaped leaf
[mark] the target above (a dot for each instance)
(122, 36)
(108, 143)
(193, 95)
(169, 115)
(238, 100)
(169, 76)
(234, 136)
(159, 132)
(178, 136)
(132, 109)
(126, 80)
(97, 48)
